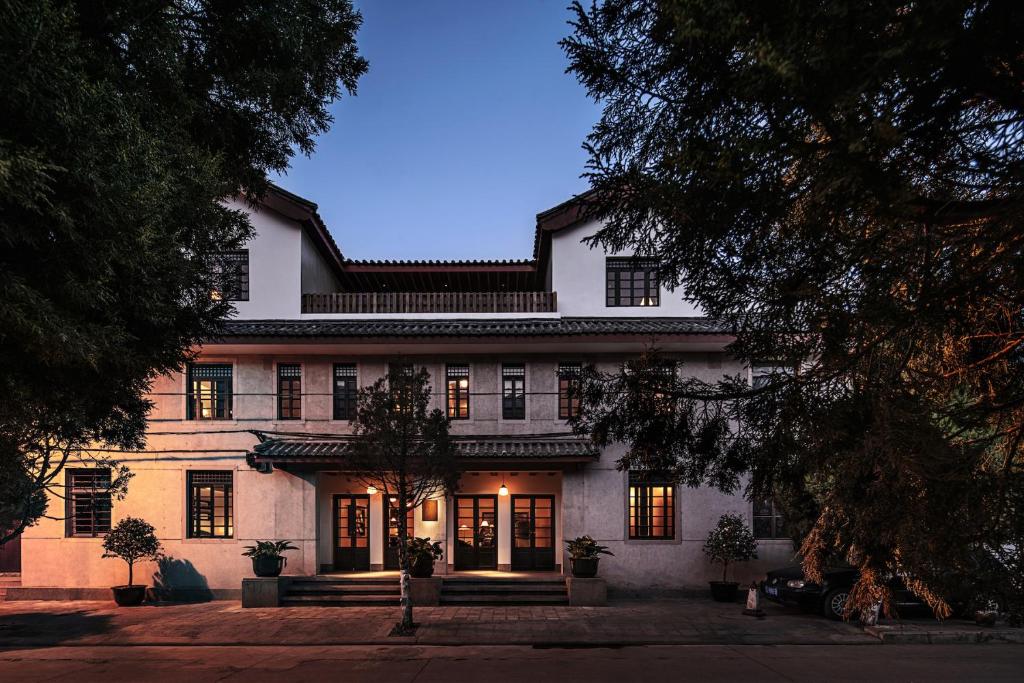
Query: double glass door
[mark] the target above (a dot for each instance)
(351, 532)
(533, 533)
(476, 532)
(391, 533)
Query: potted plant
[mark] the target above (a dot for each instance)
(131, 539)
(422, 554)
(730, 541)
(583, 556)
(267, 557)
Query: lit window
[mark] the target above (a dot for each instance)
(289, 391)
(209, 391)
(210, 504)
(652, 509)
(230, 275)
(87, 499)
(513, 391)
(345, 391)
(568, 390)
(768, 522)
(458, 391)
(631, 282)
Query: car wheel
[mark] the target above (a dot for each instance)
(835, 603)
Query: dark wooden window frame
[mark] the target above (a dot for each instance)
(345, 397)
(631, 282)
(87, 501)
(231, 271)
(198, 500)
(641, 505)
(513, 391)
(568, 383)
(455, 393)
(289, 391)
(776, 523)
(221, 376)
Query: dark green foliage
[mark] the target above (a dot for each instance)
(402, 447)
(131, 539)
(268, 549)
(730, 541)
(586, 548)
(843, 181)
(122, 127)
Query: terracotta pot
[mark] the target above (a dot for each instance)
(584, 567)
(267, 565)
(724, 591)
(129, 596)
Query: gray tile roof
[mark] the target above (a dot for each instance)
(509, 327)
(283, 450)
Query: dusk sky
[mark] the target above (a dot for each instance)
(464, 128)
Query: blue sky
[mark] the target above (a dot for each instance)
(464, 128)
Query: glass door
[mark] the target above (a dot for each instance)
(533, 533)
(391, 534)
(351, 532)
(476, 532)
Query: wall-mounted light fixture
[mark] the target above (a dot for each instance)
(503, 490)
(430, 510)
(371, 489)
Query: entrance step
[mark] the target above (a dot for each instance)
(500, 591)
(342, 592)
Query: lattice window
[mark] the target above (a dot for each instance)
(289, 391)
(768, 520)
(211, 504)
(631, 282)
(231, 275)
(345, 391)
(513, 391)
(457, 377)
(568, 390)
(652, 507)
(209, 391)
(87, 497)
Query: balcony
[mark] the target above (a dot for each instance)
(430, 302)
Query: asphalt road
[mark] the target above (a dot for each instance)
(495, 664)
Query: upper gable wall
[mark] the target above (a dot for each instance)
(275, 266)
(578, 276)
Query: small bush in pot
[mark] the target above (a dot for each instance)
(584, 555)
(730, 541)
(422, 554)
(268, 559)
(131, 539)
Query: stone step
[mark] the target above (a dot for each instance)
(346, 581)
(507, 599)
(504, 582)
(503, 588)
(343, 589)
(339, 600)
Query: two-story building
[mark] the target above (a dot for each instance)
(240, 444)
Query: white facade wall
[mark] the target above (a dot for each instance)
(275, 272)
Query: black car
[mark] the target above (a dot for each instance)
(789, 586)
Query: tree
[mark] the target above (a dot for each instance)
(131, 539)
(403, 448)
(842, 184)
(730, 541)
(123, 127)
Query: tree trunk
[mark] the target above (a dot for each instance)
(725, 570)
(130, 572)
(403, 563)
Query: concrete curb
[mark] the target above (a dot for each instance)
(915, 635)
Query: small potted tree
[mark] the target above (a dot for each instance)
(730, 541)
(422, 554)
(132, 539)
(584, 555)
(268, 558)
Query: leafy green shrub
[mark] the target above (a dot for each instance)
(268, 549)
(132, 539)
(586, 548)
(730, 541)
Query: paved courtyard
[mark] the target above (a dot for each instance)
(675, 621)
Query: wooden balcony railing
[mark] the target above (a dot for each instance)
(430, 302)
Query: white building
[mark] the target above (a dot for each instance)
(312, 326)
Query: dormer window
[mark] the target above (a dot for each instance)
(230, 275)
(632, 282)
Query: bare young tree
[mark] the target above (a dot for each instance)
(403, 448)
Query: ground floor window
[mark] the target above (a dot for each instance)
(768, 521)
(211, 504)
(88, 501)
(652, 507)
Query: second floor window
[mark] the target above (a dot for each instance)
(568, 390)
(211, 504)
(631, 282)
(289, 391)
(231, 275)
(87, 497)
(345, 391)
(513, 391)
(652, 507)
(457, 377)
(209, 391)
(768, 521)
